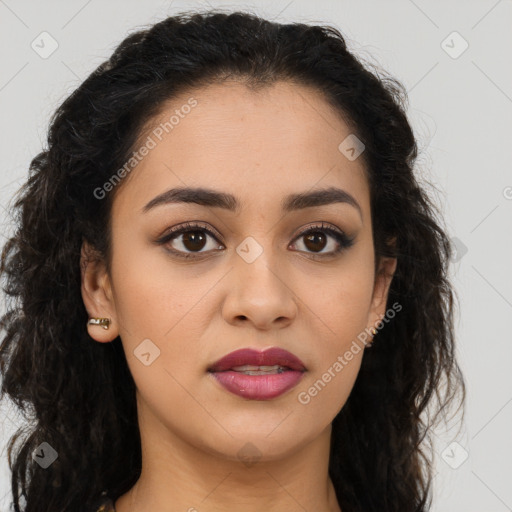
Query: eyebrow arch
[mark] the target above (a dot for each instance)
(292, 202)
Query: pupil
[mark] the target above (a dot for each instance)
(314, 238)
(194, 240)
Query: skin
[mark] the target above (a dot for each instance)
(260, 147)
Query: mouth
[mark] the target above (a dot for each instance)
(248, 369)
(258, 375)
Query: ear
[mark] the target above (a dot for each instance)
(97, 294)
(383, 278)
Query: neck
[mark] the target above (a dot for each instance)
(177, 476)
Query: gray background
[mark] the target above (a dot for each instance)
(461, 111)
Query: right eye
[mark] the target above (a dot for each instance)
(190, 237)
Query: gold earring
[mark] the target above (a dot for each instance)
(374, 332)
(104, 322)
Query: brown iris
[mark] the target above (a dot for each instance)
(313, 241)
(194, 240)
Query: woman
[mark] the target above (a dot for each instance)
(229, 290)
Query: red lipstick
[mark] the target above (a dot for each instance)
(258, 375)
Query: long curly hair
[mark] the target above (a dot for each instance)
(79, 396)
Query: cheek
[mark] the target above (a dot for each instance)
(338, 306)
(340, 317)
(161, 321)
(151, 295)
(164, 310)
(338, 302)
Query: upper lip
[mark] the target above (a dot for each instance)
(247, 356)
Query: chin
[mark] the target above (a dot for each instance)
(255, 444)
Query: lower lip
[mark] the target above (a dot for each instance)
(258, 387)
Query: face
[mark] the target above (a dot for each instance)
(253, 268)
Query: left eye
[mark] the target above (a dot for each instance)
(317, 239)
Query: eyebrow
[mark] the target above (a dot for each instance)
(213, 198)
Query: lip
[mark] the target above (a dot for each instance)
(269, 357)
(258, 387)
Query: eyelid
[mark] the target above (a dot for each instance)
(190, 226)
(321, 226)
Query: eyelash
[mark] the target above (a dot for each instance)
(344, 241)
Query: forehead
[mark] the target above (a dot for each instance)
(258, 145)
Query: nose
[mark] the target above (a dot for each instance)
(260, 295)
